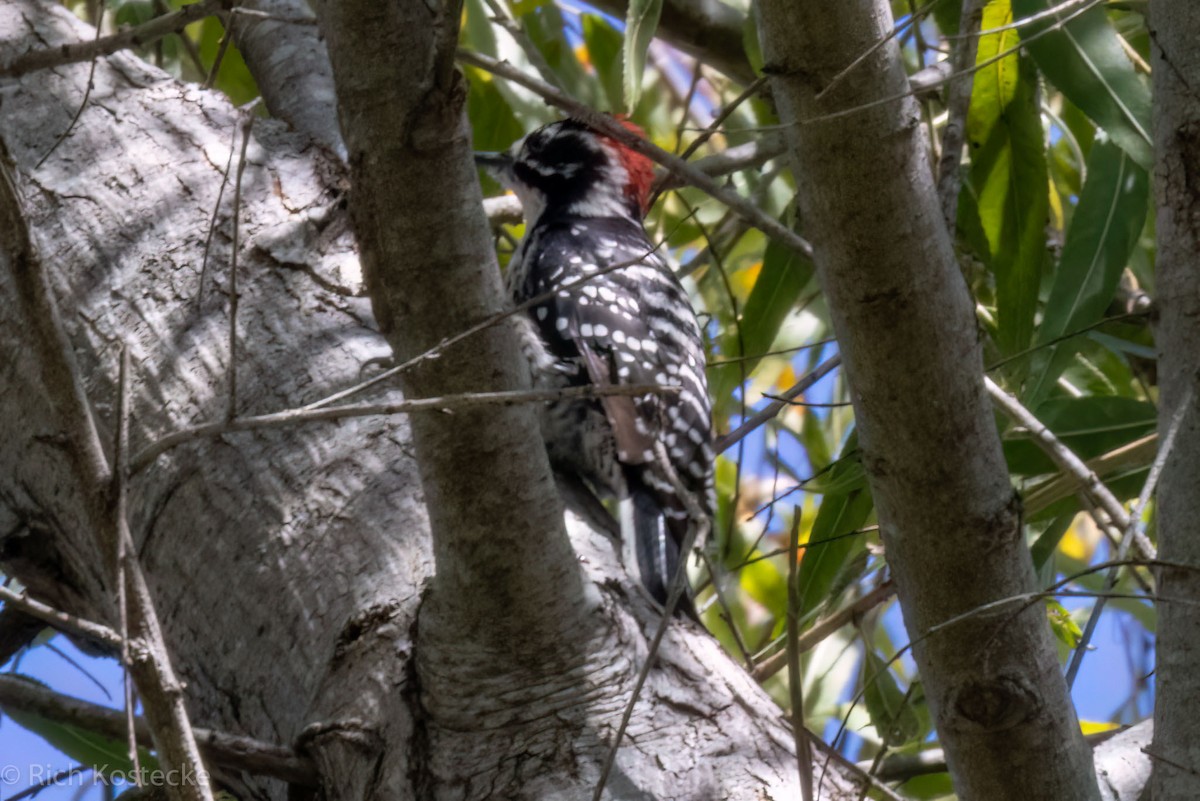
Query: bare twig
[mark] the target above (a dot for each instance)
(1068, 462)
(1134, 454)
(61, 621)
(614, 129)
(233, 751)
(137, 36)
(247, 126)
(824, 627)
(804, 758)
(758, 418)
(958, 99)
(87, 94)
(222, 46)
(1032, 19)
(293, 417)
(121, 494)
(1132, 528)
(212, 223)
(189, 46)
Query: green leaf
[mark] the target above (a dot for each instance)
(947, 14)
(1085, 60)
(604, 44)
(1047, 543)
(546, 28)
(233, 77)
(750, 42)
(103, 754)
(1103, 233)
(641, 21)
(893, 718)
(1062, 624)
(829, 550)
(783, 277)
(1009, 178)
(1089, 426)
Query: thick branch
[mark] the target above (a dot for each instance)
(906, 331)
(1174, 31)
(431, 271)
(151, 668)
(227, 750)
(45, 58)
(290, 66)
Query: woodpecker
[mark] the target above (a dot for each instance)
(584, 196)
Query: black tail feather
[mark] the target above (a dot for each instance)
(656, 544)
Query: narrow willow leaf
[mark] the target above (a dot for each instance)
(1102, 235)
(641, 21)
(831, 546)
(547, 28)
(1009, 178)
(1085, 60)
(783, 277)
(604, 44)
(891, 715)
(103, 754)
(1065, 629)
(1046, 544)
(1089, 426)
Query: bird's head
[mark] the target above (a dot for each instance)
(567, 169)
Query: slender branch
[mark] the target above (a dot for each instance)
(120, 571)
(1132, 528)
(609, 126)
(958, 100)
(233, 751)
(1068, 462)
(137, 36)
(758, 418)
(804, 759)
(1135, 454)
(294, 417)
(247, 126)
(823, 628)
(57, 619)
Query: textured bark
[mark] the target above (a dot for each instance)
(290, 65)
(289, 566)
(1174, 30)
(906, 329)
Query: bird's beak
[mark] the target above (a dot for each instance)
(498, 164)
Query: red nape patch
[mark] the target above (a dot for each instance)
(639, 168)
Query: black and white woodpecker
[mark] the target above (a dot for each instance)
(584, 196)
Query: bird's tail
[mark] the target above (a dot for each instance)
(654, 540)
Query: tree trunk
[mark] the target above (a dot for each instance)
(294, 568)
(1174, 28)
(904, 320)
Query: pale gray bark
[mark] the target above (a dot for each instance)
(290, 565)
(904, 319)
(285, 54)
(1122, 765)
(1175, 28)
